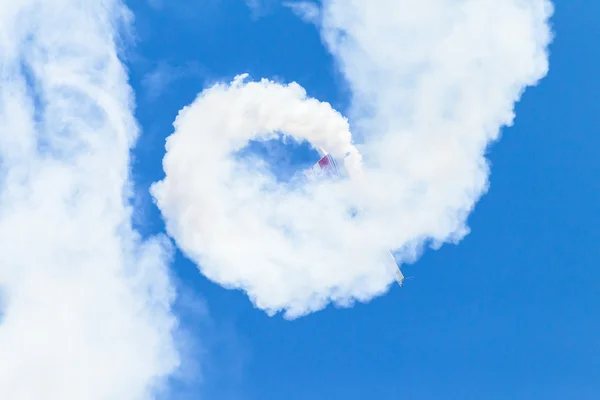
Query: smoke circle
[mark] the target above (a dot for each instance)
(291, 247)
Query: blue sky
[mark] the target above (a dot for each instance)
(510, 312)
(88, 309)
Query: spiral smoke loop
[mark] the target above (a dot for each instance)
(432, 83)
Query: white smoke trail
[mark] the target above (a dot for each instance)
(86, 302)
(432, 83)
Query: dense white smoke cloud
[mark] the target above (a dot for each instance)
(432, 83)
(86, 302)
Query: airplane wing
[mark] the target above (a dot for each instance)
(399, 276)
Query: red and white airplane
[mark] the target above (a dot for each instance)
(328, 167)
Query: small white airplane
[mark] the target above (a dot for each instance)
(327, 167)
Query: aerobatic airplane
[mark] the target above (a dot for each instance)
(327, 166)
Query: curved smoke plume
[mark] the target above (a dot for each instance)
(432, 84)
(85, 302)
